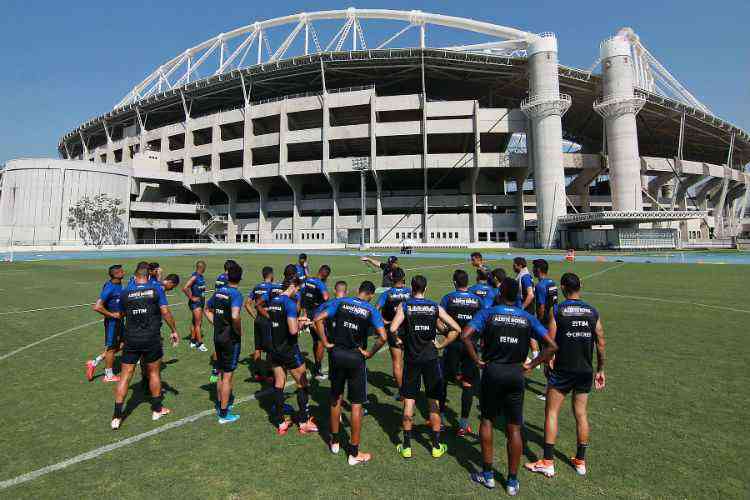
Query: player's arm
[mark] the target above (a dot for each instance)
(541, 307)
(599, 379)
(208, 311)
(319, 323)
(396, 323)
(99, 307)
(466, 334)
(250, 307)
(549, 345)
(451, 324)
(376, 321)
(292, 321)
(371, 261)
(237, 319)
(188, 289)
(529, 296)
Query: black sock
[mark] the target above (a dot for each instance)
(467, 397)
(353, 450)
(156, 403)
(486, 467)
(302, 399)
(278, 395)
(118, 410)
(549, 451)
(407, 439)
(436, 439)
(512, 477)
(223, 412)
(317, 367)
(334, 439)
(581, 452)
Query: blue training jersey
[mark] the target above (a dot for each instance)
(199, 285)
(110, 297)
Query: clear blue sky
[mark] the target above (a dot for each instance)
(68, 61)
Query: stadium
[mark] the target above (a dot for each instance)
(302, 130)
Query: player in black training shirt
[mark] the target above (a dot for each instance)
(461, 305)
(351, 318)
(504, 332)
(143, 305)
(261, 331)
(223, 310)
(419, 317)
(388, 301)
(313, 293)
(284, 353)
(387, 267)
(577, 329)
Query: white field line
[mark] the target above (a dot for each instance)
(45, 339)
(97, 452)
(671, 301)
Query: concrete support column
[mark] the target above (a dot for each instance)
(247, 139)
(378, 229)
(231, 192)
(619, 106)
(264, 232)
(296, 186)
(473, 230)
(544, 108)
(335, 185)
(215, 141)
(164, 150)
(425, 195)
(521, 218)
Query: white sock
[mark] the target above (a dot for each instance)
(108, 372)
(98, 359)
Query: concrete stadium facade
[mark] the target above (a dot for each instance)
(491, 142)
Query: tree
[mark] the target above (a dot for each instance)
(97, 220)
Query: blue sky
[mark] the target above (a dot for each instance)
(65, 62)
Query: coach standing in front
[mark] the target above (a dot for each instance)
(143, 305)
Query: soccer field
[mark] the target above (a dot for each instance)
(669, 424)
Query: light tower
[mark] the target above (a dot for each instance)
(618, 106)
(544, 107)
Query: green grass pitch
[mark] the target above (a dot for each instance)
(671, 422)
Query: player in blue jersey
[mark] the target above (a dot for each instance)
(194, 289)
(350, 320)
(108, 306)
(313, 293)
(578, 330)
(222, 280)
(477, 261)
(223, 310)
(143, 306)
(260, 323)
(462, 306)
(526, 295)
(504, 332)
(545, 291)
(302, 267)
(482, 288)
(420, 318)
(284, 353)
(387, 304)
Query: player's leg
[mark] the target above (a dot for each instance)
(279, 382)
(306, 422)
(112, 344)
(409, 391)
(488, 400)
(153, 368)
(546, 465)
(469, 378)
(434, 385)
(337, 377)
(357, 381)
(514, 449)
(228, 360)
(580, 404)
(126, 373)
(512, 389)
(197, 325)
(397, 361)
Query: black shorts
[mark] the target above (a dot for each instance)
(347, 367)
(469, 370)
(501, 392)
(415, 372)
(392, 338)
(143, 353)
(452, 359)
(227, 355)
(288, 359)
(261, 333)
(564, 381)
